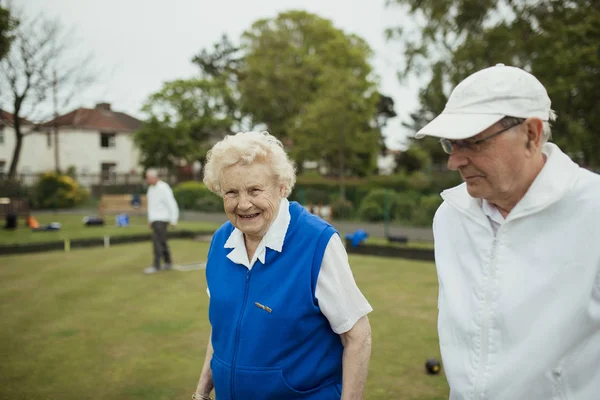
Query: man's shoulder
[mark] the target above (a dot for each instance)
(587, 186)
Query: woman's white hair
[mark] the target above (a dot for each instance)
(248, 148)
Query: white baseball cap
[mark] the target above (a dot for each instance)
(484, 98)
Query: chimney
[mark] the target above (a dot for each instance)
(103, 106)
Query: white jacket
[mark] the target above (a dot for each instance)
(519, 312)
(162, 205)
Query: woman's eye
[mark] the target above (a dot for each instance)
(230, 193)
(255, 191)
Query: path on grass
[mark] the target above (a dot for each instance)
(344, 227)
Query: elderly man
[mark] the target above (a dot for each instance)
(516, 248)
(162, 212)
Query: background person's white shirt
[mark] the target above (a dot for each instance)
(340, 299)
(161, 204)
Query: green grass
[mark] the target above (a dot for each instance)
(409, 244)
(72, 227)
(89, 324)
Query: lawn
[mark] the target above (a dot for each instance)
(89, 325)
(72, 227)
(409, 244)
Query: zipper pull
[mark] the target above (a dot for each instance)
(247, 275)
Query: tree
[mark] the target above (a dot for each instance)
(289, 64)
(184, 119)
(556, 40)
(7, 26)
(40, 64)
(341, 120)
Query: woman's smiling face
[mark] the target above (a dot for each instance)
(251, 197)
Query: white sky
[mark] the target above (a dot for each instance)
(139, 44)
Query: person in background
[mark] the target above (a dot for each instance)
(162, 212)
(516, 248)
(288, 320)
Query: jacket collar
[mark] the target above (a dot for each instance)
(273, 239)
(555, 179)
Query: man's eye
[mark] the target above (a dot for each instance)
(255, 191)
(230, 193)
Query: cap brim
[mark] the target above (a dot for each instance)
(458, 126)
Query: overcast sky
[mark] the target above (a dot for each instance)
(139, 44)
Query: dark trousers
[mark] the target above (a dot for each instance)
(159, 241)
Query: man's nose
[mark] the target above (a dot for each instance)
(456, 160)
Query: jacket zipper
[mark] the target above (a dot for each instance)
(485, 324)
(558, 384)
(237, 335)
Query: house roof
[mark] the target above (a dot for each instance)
(101, 118)
(9, 118)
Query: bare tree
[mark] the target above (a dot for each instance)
(42, 65)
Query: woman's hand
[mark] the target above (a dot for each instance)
(205, 383)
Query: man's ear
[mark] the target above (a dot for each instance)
(534, 127)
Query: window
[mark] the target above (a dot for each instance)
(108, 171)
(1, 134)
(2, 166)
(48, 139)
(107, 140)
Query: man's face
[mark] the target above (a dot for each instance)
(494, 169)
(151, 179)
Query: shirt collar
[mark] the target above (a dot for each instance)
(555, 179)
(273, 239)
(492, 212)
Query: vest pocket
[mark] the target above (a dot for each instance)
(270, 384)
(221, 373)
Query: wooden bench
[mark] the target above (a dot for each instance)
(121, 203)
(20, 206)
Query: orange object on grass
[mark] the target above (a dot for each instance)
(32, 222)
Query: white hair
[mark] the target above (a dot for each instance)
(546, 125)
(152, 172)
(247, 148)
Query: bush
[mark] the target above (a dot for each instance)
(428, 205)
(193, 195)
(400, 206)
(14, 188)
(342, 209)
(54, 190)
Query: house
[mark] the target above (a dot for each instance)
(90, 141)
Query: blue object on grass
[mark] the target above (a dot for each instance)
(357, 237)
(122, 220)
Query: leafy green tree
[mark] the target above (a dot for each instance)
(7, 26)
(185, 118)
(335, 127)
(556, 40)
(285, 81)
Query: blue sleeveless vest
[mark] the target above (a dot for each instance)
(270, 339)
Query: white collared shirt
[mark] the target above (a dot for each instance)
(340, 299)
(493, 214)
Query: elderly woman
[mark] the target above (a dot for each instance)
(288, 321)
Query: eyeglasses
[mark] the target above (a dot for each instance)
(470, 144)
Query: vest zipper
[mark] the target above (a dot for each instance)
(237, 335)
(485, 323)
